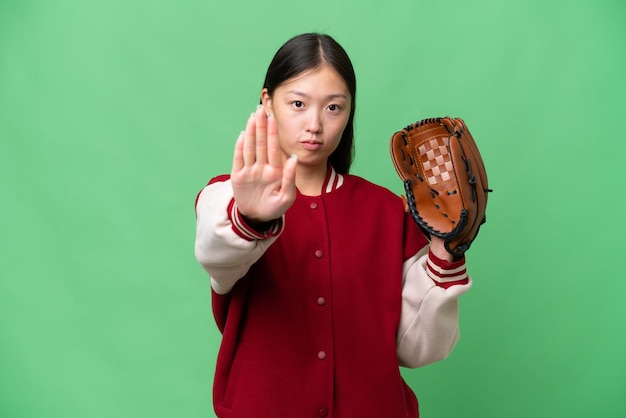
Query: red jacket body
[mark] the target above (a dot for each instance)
(311, 329)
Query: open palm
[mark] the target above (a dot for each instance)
(263, 183)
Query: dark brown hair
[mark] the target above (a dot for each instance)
(309, 51)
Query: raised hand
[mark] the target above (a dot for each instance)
(263, 181)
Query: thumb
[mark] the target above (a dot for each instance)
(288, 186)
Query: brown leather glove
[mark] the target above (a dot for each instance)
(444, 179)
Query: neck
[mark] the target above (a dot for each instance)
(309, 180)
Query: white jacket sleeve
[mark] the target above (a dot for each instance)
(429, 326)
(225, 245)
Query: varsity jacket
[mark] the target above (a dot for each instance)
(318, 312)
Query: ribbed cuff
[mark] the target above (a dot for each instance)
(247, 232)
(446, 273)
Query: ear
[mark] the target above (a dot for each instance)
(266, 101)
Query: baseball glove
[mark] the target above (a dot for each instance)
(444, 179)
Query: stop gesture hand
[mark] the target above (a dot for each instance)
(263, 180)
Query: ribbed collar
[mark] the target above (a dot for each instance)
(333, 181)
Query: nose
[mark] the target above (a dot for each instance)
(314, 123)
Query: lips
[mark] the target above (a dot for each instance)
(311, 145)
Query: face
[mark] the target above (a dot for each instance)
(311, 112)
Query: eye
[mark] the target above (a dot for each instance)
(297, 104)
(334, 108)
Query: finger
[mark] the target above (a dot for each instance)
(274, 153)
(288, 187)
(249, 147)
(261, 136)
(238, 154)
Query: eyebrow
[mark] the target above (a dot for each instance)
(330, 96)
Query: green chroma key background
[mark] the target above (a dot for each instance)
(114, 114)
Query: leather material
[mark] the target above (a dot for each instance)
(445, 179)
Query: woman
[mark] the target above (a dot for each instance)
(322, 284)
